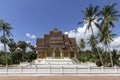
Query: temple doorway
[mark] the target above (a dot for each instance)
(57, 53)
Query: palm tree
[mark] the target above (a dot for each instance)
(93, 43)
(5, 28)
(110, 14)
(116, 57)
(90, 18)
(106, 37)
(80, 47)
(91, 14)
(82, 43)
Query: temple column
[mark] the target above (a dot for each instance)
(75, 55)
(53, 53)
(68, 54)
(45, 54)
(61, 53)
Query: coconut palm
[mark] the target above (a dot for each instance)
(82, 43)
(81, 46)
(116, 57)
(93, 42)
(5, 28)
(106, 37)
(110, 14)
(91, 18)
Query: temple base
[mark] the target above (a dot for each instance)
(55, 61)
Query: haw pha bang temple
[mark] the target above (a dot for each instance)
(56, 46)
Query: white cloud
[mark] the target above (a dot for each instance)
(80, 33)
(28, 49)
(116, 43)
(30, 35)
(2, 47)
(27, 41)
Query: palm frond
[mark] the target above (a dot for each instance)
(111, 24)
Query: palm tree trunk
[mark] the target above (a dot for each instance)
(97, 49)
(92, 31)
(5, 54)
(108, 45)
(5, 48)
(100, 57)
(106, 48)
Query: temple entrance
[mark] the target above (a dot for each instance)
(72, 54)
(57, 53)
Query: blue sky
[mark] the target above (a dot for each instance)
(36, 17)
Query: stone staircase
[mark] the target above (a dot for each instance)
(55, 61)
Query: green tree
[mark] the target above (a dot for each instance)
(106, 37)
(31, 46)
(22, 45)
(91, 18)
(3, 58)
(16, 56)
(2, 53)
(110, 15)
(116, 57)
(5, 28)
(12, 45)
(82, 43)
(93, 42)
(31, 55)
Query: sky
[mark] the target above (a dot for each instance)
(34, 18)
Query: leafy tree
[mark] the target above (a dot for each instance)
(12, 45)
(31, 47)
(16, 56)
(31, 55)
(2, 53)
(22, 45)
(3, 59)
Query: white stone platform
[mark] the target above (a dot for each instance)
(55, 61)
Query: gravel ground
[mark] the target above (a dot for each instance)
(59, 77)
